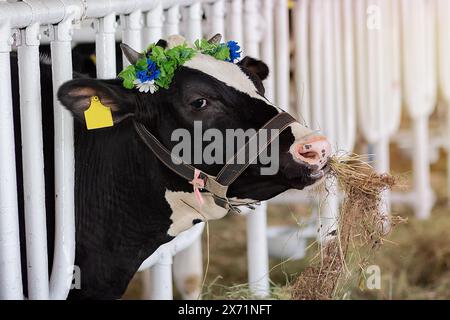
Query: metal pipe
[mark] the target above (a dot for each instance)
(194, 18)
(257, 250)
(420, 88)
(188, 270)
(64, 251)
(105, 47)
(235, 24)
(172, 21)
(153, 25)
(282, 54)
(217, 18)
(161, 279)
(421, 169)
(10, 265)
(316, 65)
(267, 48)
(132, 32)
(444, 70)
(33, 163)
(350, 84)
(251, 28)
(301, 20)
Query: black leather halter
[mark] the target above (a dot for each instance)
(218, 185)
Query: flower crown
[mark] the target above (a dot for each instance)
(156, 66)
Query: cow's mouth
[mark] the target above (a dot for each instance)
(319, 174)
(312, 176)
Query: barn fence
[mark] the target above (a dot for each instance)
(355, 64)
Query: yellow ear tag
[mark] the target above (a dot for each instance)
(98, 115)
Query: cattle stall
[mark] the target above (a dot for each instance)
(343, 79)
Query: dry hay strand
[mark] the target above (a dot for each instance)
(361, 226)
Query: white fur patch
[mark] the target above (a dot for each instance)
(299, 131)
(185, 209)
(227, 72)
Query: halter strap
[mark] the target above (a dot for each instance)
(218, 186)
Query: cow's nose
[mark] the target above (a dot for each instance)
(315, 150)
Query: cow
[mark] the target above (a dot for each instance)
(127, 201)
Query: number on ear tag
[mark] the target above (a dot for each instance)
(98, 115)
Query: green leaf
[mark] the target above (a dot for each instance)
(142, 64)
(129, 84)
(222, 53)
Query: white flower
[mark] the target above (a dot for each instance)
(146, 86)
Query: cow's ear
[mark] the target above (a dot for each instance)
(76, 96)
(256, 66)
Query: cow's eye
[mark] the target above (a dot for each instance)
(199, 103)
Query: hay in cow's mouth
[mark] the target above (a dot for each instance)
(361, 227)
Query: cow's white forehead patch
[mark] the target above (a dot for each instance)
(227, 72)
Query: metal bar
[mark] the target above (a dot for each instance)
(10, 266)
(153, 25)
(161, 279)
(105, 47)
(188, 270)
(316, 65)
(64, 251)
(301, 20)
(349, 76)
(172, 21)
(132, 32)
(282, 54)
(235, 24)
(194, 24)
(217, 18)
(267, 48)
(420, 88)
(257, 249)
(33, 163)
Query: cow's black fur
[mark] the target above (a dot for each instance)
(121, 213)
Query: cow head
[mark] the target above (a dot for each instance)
(220, 95)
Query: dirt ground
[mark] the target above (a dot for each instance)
(414, 262)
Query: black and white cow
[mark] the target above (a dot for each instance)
(127, 202)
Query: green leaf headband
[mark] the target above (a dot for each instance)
(155, 67)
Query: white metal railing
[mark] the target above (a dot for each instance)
(345, 73)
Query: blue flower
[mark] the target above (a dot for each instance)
(235, 52)
(152, 69)
(150, 74)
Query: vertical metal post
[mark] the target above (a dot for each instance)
(444, 70)
(217, 18)
(64, 252)
(105, 47)
(257, 250)
(132, 32)
(234, 26)
(173, 20)
(161, 278)
(267, 48)
(188, 264)
(302, 66)
(33, 163)
(10, 266)
(188, 270)
(282, 54)
(194, 18)
(153, 25)
(419, 79)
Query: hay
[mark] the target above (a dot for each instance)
(361, 226)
